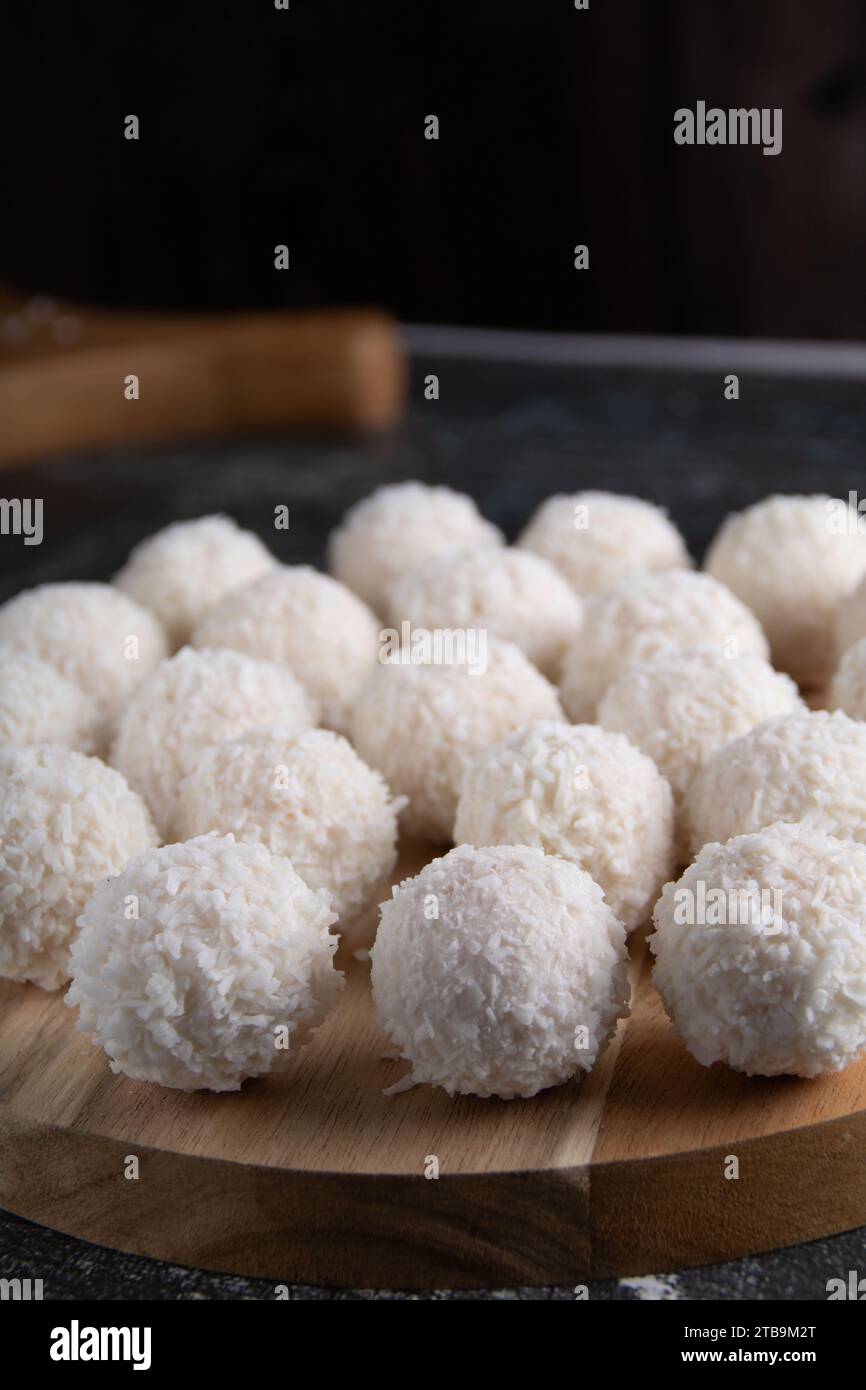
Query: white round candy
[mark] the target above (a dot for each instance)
(397, 527)
(511, 594)
(582, 793)
(598, 539)
(306, 621)
(66, 822)
(194, 700)
(807, 767)
(647, 616)
(421, 726)
(221, 973)
(848, 687)
(38, 705)
(761, 954)
(185, 569)
(851, 618)
(681, 707)
(308, 797)
(791, 559)
(93, 635)
(499, 972)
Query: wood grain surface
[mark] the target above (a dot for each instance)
(319, 1177)
(198, 377)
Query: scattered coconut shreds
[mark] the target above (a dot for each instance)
(653, 1288)
(222, 975)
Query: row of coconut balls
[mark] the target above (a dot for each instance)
(675, 660)
(585, 793)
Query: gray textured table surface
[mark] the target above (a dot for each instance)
(510, 434)
(72, 1269)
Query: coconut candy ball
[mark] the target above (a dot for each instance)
(499, 972)
(792, 559)
(807, 767)
(761, 952)
(599, 539)
(194, 700)
(421, 726)
(580, 792)
(221, 974)
(644, 617)
(395, 529)
(851, 618)
(186, 568)
(306, 621)
(513, 595)
(681, 707)
(308, 797)
(93, 635)
(38, 705)
(848, 688)
(66, 822)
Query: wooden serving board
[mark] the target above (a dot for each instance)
(317, 1177)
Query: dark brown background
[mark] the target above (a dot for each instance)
(306, 127)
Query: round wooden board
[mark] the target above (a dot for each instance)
(317, 1177)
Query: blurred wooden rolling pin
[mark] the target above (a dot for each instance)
(63, 371)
